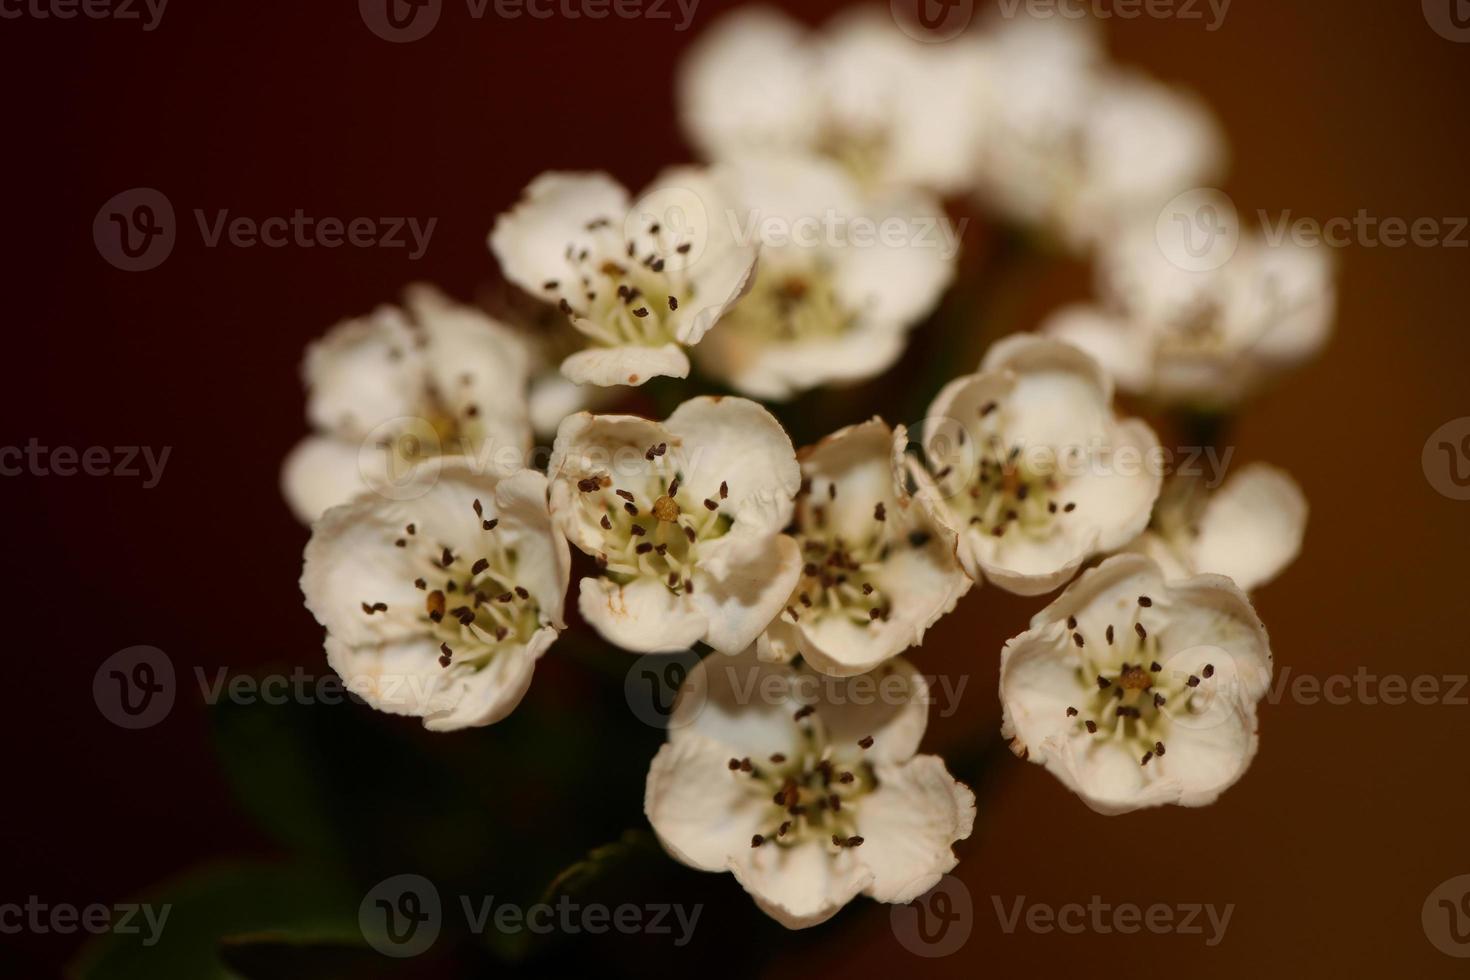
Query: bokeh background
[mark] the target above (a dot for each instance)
(1351, 815)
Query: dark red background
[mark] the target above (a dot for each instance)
(1351, 814)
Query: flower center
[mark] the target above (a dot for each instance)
(1001, 492)
(622, 290)
(652, 526)
(472, 604)
(837, 574)
(813, 793)
(790, 305)
(1132, 698)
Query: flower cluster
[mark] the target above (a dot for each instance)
(802, 254)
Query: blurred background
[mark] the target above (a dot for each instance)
(265, 825)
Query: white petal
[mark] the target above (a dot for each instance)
(737, 442)
(908, 824)
(1124, 352)
(801, 886)
(530, 241)
(543, 560)
(363, 373)
(889, 704)
(607, 366)
(898, 280)
(703, 813)
(319, 474)
(778, 371)
(739, 703)
(739, 605)
(596, 445)
(643, 616)
(1252, 527)
(489, 694)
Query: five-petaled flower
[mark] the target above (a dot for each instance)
(684, 519)
(1202, 337)
(438, 607)
(1029, 467)
(392, 389)
(876, 571)
(642, 281)
(844, 274)
(1137, 692)
(808, 794)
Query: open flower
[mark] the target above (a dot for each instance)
(1074, 145)
(1030, 468)
(833, 300)
(876, 572)
(1202, 337)
(641, 281)
(402, 385)
(806, 788)
(684, 519)
(439, 607)
(892, 110)
(1248, 530)
(1135, 692)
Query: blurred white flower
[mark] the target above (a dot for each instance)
(641, 281)
(440, 606)
(807, 791)
(402, 385)
(843, 275)
(1248, 530)
(1202, 337)
(1072, 144)
(876, 572)
(1135, 692)
(1031, 469)
(684, 519)
(890, 109)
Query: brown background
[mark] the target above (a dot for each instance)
(1350, 815)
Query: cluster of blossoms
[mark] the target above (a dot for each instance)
(442, 544)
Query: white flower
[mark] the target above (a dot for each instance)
(1249, 530)
(1203, 337)
(1137, 693)
(1076, 146)
(641, 281)
(684, 519)
(876, 572)
(890, 109)
(832, 300)
(393, 388)
(1030, 467)
(439, 607)
(806, 788)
